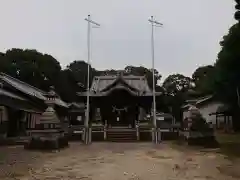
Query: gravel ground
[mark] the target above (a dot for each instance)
(117, 161)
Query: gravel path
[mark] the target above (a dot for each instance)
(116, 161)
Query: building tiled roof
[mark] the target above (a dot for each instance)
(28, 89)
(11, 95)
(204, 99)
(23, 87)
(76, 105)
(198, 101)
(138, 83)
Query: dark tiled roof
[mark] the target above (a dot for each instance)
(23, 87)
(137, 82)
(204, 99)
(28, 89)
(76, 105)
(198, 101)
(11, 95)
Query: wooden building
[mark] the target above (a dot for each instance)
(21, 106)
(213, 111)
(119, 100)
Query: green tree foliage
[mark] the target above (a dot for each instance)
(228, 67)
(203, 78)
(176, 89)
(237, 14)
(79, 70)
(43, 70)
(227, 84)
(177, 83)
(35, 68)
(142, 71)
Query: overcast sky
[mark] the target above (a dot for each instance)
(190, 37)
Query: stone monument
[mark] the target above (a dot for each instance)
(50, 134)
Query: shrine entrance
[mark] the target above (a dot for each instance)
(120, 108)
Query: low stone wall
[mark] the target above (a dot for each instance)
(145, 136)
(196, 138)
(75, 137)
(75, 133)
(169, 135)
(12, 141)
(206, 141)
(97, 136)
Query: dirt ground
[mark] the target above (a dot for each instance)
(117, 161)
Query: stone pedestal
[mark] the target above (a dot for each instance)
(51, 134)
(47, 140)
(198, 138)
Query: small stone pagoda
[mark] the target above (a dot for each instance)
(50, 134)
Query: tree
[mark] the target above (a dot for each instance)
(228, 67)
(80, 72)
(203, 78)
(43, 70)
(142, 71)
(237, 14)
(176, 87)
(177, 83)
(3, 63)
(30, 66)
(227, 84)
(67, 86)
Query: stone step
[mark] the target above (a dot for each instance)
(121, 136)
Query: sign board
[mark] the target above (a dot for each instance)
(160, 118)
(79, 118)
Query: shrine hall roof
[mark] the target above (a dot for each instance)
(28, 89)
(139, 83)
(103, 85)
(3, 92)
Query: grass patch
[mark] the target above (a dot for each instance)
(229, 144)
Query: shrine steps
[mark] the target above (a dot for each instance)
(121, 135)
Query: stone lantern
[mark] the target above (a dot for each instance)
(50, 134)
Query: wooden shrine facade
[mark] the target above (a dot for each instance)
(119, 100)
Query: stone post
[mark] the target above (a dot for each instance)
(86, 128)
(90, 135)
(137, 131)
(105, 130)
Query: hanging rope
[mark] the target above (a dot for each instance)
(119, 109)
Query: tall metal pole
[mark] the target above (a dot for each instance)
(86, 122)
(154, 23)
(153, 79)
(88, 71)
